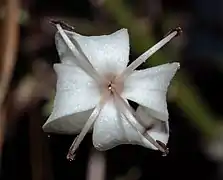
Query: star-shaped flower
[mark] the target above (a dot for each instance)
(93, 88)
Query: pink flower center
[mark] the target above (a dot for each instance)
(112, 84)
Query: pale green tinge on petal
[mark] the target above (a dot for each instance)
(149, 88)
(75, 92)
(107, 53)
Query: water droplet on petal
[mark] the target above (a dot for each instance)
(77, 106)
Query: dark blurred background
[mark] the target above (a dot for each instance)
(27, 84)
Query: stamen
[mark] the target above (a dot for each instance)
(87, 126)
(164, 147)
(141, 59)
(82, 60)
(123, 107)
(178, 29)
(84, 131)
(63, 24)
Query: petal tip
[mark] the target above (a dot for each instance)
(45, 127)
(100, 147)
(58, 67)
(177, 64)
(96, 145)
(122, 32)
(55, 66)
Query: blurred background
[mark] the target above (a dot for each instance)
(27, 87)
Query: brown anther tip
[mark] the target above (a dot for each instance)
(53, 21)
(62, 23)
(166, 150)
(70, 157)
(178, 30)
(161, 144)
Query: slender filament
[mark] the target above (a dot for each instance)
(124, 108)
(82, 61)
(141, 59)
(87, 126)
(84, 131)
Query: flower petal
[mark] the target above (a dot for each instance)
(158, 130)
(107, 53)
(149, 87)
(70, 124)
(112, 129)
(75, 92)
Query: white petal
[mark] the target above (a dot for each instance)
(149, 87)
(158, 130)
(75, 92)
(112, 129)
(70, 124)
(107, 53)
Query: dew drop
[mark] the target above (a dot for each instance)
(77, 106)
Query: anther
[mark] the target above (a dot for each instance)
(63, 24)
(178, 30)
(71, 155)
(166, 152)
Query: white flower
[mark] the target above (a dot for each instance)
(94, 84)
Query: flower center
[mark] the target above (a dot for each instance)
(113, 85)
(110, 86)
